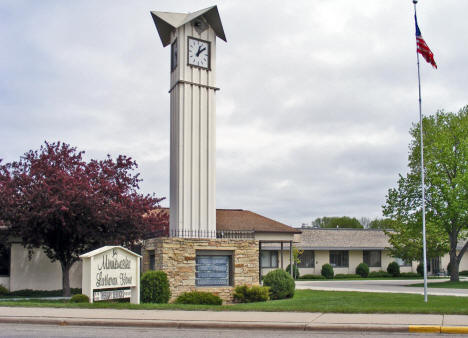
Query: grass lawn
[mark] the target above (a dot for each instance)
(303, 301)
(447, 285)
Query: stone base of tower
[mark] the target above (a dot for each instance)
(178, 257)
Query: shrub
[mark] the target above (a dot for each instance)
(295, 271)
(409, 274)
(155, 287)
(256, 293)
(463, 273)
(393, 269)
(420, 269)
(310, 276)
(80, 298)
(362, 270)
(42, 293)
(346, 275)
(281, 284)
(379, 274)
(3, 290)
(327, 271)
(199, 298)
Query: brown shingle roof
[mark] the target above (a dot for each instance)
(344, 239)
(245, 220)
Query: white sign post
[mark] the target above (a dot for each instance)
(111, 272)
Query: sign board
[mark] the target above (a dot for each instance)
(111, 267)
(114, 294)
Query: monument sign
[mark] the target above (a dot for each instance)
(111, 272)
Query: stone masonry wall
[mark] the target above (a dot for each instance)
(176, 256)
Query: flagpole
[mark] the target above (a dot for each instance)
(422, 172)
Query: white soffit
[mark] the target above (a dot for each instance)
(166, 22)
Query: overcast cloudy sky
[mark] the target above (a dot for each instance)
(316, 100)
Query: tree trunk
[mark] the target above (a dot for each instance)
(453, 258)
(66, 279)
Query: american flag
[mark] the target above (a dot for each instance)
(423, 48)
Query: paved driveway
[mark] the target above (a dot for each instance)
(391, 286)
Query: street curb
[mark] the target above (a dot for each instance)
(438, 329)
(205, 325)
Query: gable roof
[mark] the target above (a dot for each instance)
(166, 22)
(343, 239)
(245, 220)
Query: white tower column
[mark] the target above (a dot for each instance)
(193, 111)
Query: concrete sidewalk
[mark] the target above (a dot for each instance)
(240, 320)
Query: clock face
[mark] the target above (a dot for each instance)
(174, 53)
(198, 53)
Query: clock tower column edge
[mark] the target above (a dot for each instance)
(193, 139)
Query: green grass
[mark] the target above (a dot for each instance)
(447, 285)
(303, 301)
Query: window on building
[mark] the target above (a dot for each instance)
(213, 269)
(152, 264)
(373, 258)
(307, 259)
(4, 260)
(339, 258)
(402, 262)
(269, 259)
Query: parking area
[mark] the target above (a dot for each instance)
(391, 286)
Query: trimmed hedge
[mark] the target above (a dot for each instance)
(346, 275)
(198, 298)
(281, 284)
(327, 271)
(310, 276)
(394, 269)
(409, 274)
(80, 298)
(255, 293)
(155, 287)
(296, 273)
(3, 291)
(42, 293)
(362, 270)
(379, 274)
(463, 273)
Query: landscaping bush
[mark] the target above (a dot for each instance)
(80, 298)
(295, 271)
(155, 287)
(256, 293)
(327, 271)
(199, 298)
(281, 284)
(409, 274)
(379, 274)
(42, 293)
(393, 269)
(420, 269)
(362, 270)
(346, 275)
(3, 291)
(310, 276)
(463, 273)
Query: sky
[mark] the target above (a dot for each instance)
(317, 96)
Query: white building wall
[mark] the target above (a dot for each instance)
(39, 273)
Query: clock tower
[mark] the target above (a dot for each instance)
(192, 89)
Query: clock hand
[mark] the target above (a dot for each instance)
(200, 50)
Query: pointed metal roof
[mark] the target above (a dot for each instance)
(166, 22)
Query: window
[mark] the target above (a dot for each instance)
(269, 259)
(339, 259)
(151, 260)
(213, 270)
(4, 260)
(372, 258)
(402, 262)
(307, 259)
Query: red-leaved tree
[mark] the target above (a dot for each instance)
(53, 199)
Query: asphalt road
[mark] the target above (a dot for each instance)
(26, 330)
(392, 286)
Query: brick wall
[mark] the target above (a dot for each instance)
(176, 256)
